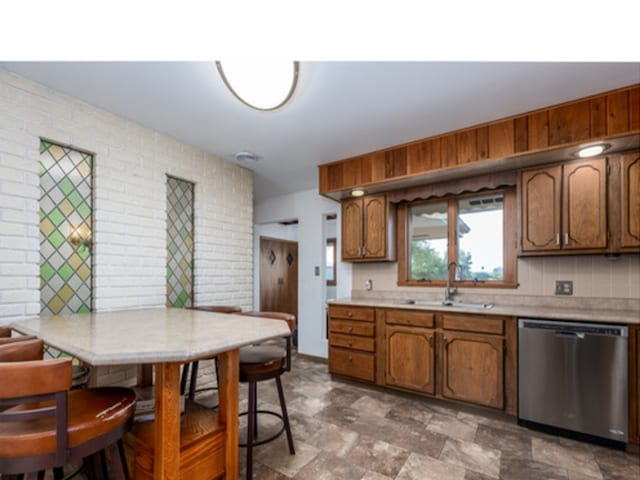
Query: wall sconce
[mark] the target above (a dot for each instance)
(80, 235)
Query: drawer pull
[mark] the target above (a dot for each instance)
(350, 359)
(351, 344)
(349, 314)
(350, 329)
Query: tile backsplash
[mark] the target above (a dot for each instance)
(592, 276)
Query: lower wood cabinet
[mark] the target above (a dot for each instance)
(410, 359)
(352, 345)
(473, 368)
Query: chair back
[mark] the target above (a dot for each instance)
(22, 351)
(21, 338)
(40, 389)
(291, 322)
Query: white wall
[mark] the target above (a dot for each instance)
(131, 163)
(309, 208)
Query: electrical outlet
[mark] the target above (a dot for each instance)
(564, 287)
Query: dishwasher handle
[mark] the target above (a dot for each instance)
(565, 334)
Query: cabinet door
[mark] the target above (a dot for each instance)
(541, 197)
(630, 201)
(410, 358)
(584, 217)
(473, 368)
(352, 229)
(375, 226)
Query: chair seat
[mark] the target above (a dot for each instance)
(92, 413)
(261, 360)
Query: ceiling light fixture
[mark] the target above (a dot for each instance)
(357, 193)
(261, 85)
(592, 150)
(246, 156)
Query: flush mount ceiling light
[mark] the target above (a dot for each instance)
(357, 193)
(246, 156)
(592, 150)
(260, 85)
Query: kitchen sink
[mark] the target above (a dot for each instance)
(447, 303)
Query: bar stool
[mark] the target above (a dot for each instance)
(47, 425)
(194, 365)
(261, 362)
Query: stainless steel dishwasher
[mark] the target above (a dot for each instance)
(573, 377)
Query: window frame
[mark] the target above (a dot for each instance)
(509, 230)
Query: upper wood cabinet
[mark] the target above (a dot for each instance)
(630, 192)
(608, 115)
(368, 229)
(564, 207)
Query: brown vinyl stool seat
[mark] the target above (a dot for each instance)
(261, 362)
(47, 425)
(194, 365)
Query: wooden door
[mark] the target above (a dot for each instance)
(630, 200)
(584, 216)
(352, 229)
(375, 226)
(473, 368)
(541, 197)
(410, 358)
(278, 276)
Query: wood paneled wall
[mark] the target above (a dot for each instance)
(609, 114)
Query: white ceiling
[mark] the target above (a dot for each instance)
(340, 109)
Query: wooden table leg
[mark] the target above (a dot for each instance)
(228, 367)
(166, 465)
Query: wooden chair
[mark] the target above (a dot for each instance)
(5, 332)
(47, 425)
(194, 365)
(21, 338)
(262, 362)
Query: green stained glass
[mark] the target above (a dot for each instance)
(75, 198)
(56, 239)
(65, 200)
(56, 216)
(66, 186)
(179, 242)
(46, 271)
(66, 272)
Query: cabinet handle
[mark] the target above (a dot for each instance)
(350, 329)
(349, 314)
(350, 344)
(446, 343)
(364, 250)
(566, 238)
(350, 359)
(431, 341)
(557, 239)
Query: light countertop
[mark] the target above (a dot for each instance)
(541, 311)
(149, 335)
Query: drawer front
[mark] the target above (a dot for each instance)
(473, 323)
(353, 364)
(409, 318)
(352, 313)
(364, 329)
(351, 341)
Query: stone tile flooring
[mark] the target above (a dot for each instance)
(348, 431)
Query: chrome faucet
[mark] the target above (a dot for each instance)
(450, 292)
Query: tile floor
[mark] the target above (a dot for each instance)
(348, 431)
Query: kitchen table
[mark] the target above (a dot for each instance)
(165, 338)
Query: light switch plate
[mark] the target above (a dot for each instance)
(564, 287)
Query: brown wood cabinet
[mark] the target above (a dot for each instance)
(368, 229)
(564, 207)
(410, 357)
(352, 345)
(630, 191)
(455, 356)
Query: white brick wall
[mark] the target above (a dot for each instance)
(131, 164)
